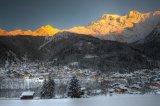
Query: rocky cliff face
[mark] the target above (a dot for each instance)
(129, 28)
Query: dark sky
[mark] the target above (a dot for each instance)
(31, 14)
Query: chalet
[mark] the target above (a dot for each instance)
(135, 87)
(121, 89)
(27, 95)
(83, 91)
(26, 76)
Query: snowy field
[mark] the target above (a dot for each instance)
(116, 100)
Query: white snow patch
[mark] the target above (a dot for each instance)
(27, 93)
(90, 56)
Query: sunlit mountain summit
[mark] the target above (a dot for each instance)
(128, 28)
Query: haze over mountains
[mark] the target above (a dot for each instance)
(110, 43)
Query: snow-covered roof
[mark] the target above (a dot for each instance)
(158, 92)
(27, 93)
(83, 88)
(136, 86)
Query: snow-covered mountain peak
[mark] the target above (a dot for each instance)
(110, 16)
(127, 28)
(134, 13)
(47, 30)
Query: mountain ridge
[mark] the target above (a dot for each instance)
(124, 28)
(88, 52)
(46, 30)
(127, 28)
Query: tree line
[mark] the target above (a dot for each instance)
(73, 90)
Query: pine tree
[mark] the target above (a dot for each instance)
(47, 91)
(43, 89)
(104, 86)
(74, 88)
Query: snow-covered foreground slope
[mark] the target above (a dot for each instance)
(117, 100)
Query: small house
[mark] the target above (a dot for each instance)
(27, 95)
(83, 91)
